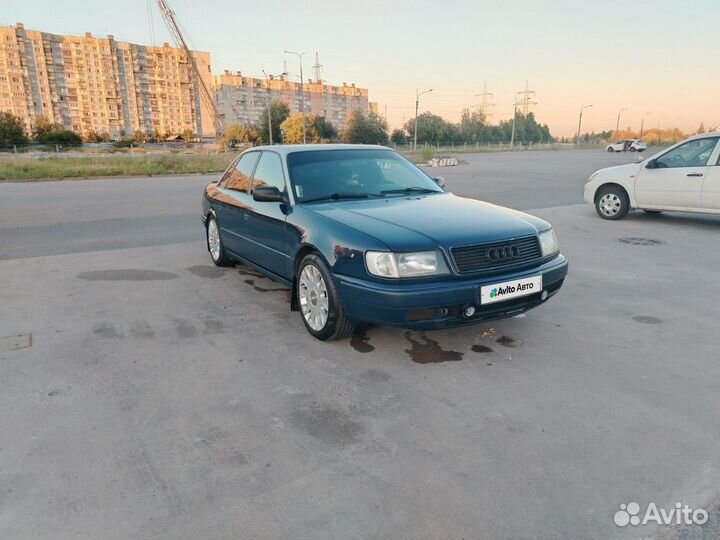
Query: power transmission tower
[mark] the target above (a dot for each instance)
(317, 69)
(527, 99)
(485, 107)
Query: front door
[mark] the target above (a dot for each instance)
(266, 220)
(676, 181)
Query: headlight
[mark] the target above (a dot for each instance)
(397, 265)
(548, 243)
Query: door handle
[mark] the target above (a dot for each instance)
(695, 174)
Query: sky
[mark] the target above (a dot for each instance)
(657, 58)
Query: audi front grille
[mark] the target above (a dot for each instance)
(497, 256)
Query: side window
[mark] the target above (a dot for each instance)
(228, 171)
(239, 177)
(269, 171)
(691, 154)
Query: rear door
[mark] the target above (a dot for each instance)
(677, 180)
(711, 186)
(266, 220)
(232, 202)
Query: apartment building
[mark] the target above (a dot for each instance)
(90, 84)
(242, 99)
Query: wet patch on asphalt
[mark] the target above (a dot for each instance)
(107, 330)
(327, 423)
(637, 241)
(481, 349)
(359, 340)
(646, 319)
(374, 376)
(142, 329)
(258, 288)
(430, 351)
(126, 274)
(507, 341)
(212, 272)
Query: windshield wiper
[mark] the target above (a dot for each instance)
(414, 189)
(337, 196)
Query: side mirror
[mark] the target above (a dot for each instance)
(652, 164)
(439, 180)
(267, 194)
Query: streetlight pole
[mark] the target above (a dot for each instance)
(267, 83)
(417, 106)
(512, 134)
(582, 108)
(617, 126)
(642, 123)
(302, 91)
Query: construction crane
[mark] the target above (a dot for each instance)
(205, 93)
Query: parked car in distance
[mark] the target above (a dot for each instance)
(361, 234)
(682, 178)
(627, 145)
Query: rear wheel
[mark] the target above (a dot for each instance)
(215, 245)
(611, 149)
(319, 301)
(632, 149)
(612, 203)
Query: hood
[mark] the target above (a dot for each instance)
(427, 221)
(619, 172)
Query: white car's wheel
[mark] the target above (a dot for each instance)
(612, 203)
(610, 149)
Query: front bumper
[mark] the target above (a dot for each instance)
(441, 304)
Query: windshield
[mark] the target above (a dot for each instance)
(336, 174)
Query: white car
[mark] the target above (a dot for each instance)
(627, 145)
(683, 178)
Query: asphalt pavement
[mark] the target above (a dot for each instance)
(146, 394)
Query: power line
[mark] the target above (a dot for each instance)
(485, 107)
(150, 22)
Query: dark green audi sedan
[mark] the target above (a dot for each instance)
(362, 235)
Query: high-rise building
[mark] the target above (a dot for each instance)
(242, 99)
(89, 84)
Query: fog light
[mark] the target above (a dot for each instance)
(544, 296)
(469, 311)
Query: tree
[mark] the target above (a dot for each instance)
(279, 111)
(96, 137)
(12, 130)
(235, 133)
(473, 127)
(398, 136)
(325, 129)
(292, 126)
(431, 128)
(44, 126)
(365, 128)
(47, 132)
(62, 137)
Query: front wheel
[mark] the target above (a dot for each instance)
(612, 203)
(632, 149)
(319, 301)
(611, 149)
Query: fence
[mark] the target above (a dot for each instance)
(35, 149)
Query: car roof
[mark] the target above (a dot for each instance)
(284, 149)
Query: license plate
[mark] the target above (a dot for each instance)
(507, 290)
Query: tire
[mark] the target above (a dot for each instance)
(632, 149)
(611, 149)
(214, 243)
(319, 301)
(612, 202)
(653, 211)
